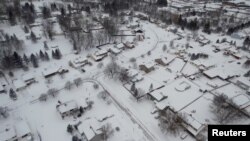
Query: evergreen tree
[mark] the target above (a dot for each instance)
(33, 36)
(162, 2)
(45, 45)
(26, 59)
(42, 56)
(17, 60)
(12, 94)
(133, 87)
(58, 54)
(206, 28)
(53, 54)
(34, 60)
(46, 56)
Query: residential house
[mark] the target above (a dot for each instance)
(147, 67)
(114, 51)
(48, 72)
(79, 62)
(134, 75)
(67, 108)
(243, 83)
(99, 55)
(119, 46)
(90, 131)
(162, 61)
(157, 96)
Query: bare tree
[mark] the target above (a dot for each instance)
(78, 81)
(43, 97)
(170, 121)
(4, 112)
(107, 131)
(53, 92)
(224, 109)
(68, 85)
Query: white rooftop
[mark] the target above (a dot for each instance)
(157, 95)
(89, 128)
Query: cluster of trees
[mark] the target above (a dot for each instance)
(238, 27)
(78, 81)
(11, 42)
(225, 109)
(247, 63)
(194, 56)
(53, 92)
(171, 122)
(247, 74)
(16, 61)
(114, 71)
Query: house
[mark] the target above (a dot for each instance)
(236, 36)
(193, 126)
(157, 96)
(119, 46)
(114, 51)
(18, 132)
(243, 83)
(147, 67)
(90, 131)
(19, 84)
(162, 61)
(133, 25)
(134, 75)
(67, 108)
(129, 45)
(172, 29)
(79, 62)
(99, 55)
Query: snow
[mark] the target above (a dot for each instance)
(67, 106)
(19, 84)
(22, 129)
(7, 133)
(157, 95)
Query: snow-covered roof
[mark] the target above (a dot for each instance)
(101, 52)
(193, 125)
(115, 50)
(241, 100)
(22, 129)
(7, 133)
(19, 84)
(162, 104)
(89, 128)
(149, 64)
(79, 61)
(119, 46)
(132, 72)
(67, 106)
(157, 95)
